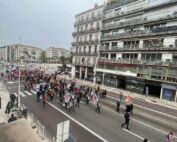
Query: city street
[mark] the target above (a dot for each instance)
(87, 125)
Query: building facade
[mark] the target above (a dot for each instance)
(86, 42)
(53, 54)
(15, 52)
(139, 47)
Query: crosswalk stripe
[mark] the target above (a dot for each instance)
(22, 94)
(28, 93)
(34, 92)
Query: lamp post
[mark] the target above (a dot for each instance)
(19, 100)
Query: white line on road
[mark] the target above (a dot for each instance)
(82, 125)
(22, 94)
(34, 92)
(163, 121)
(147, 125)
(28, 93)
(134, 134)
(148, 109)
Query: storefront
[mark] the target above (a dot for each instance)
(169, 92)
(135, 85)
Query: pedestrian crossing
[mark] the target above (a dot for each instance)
(27, 93)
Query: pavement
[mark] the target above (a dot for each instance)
(4, 100)
(18, 131)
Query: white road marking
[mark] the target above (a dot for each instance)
(28, 93)
(148, 109)
(134, 134)
(22, 94)
(163, 121)
(82, 125)
(34, 92)
(147, 125)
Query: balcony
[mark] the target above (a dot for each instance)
(145, 48)
(141, 33)
(88, 20)
(109, 7)
(84, 54)
(137, 21)
(86, 64)
(138, 62)
(86, 42)
(91, 30)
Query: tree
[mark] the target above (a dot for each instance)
(62, 59)
(43, 57)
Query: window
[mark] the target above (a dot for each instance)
(113, 56)
(91, 25)
(95, 49)
(90, 49)
(90, 37)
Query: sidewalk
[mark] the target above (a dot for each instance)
(149, 99)
(4, 100)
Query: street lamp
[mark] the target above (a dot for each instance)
(19, 100)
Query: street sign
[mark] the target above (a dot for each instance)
(63, 131)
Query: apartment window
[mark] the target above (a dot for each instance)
(90, 37)
(33, 52)
(114, 44)
(113, 56)
(93, 14)
(95, 49)
(76, 49)
(91, 25)
(176, 43)
(90, 49)
(86, 27)
(77, 40)
(84, 49)
(175, 58)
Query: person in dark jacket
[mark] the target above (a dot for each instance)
(12, 118)
(131, 109)
(118, 106)
(127, 120)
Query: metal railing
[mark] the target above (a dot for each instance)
(87, 20)
(132, 11)
(40, 129)
(87, 42)
(140, 33)
(135, 22)
(86, 31)
(140, 61)
(136, 48)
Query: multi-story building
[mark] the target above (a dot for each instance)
(16, 52)
(139, 47)
(86, 42)
(53, 54)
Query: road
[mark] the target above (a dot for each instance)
(87, 125)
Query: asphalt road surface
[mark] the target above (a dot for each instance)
(89, 126)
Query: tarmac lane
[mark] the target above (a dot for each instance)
(50, 117)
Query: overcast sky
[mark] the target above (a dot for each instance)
(41, 23)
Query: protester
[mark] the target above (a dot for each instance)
(127, 120)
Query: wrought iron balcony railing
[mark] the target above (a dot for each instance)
(145, 48)
(140, 62)
(87, 42)
(88, 20)
(91, 30)
(141, 33)
(87, 64)
(137, 21)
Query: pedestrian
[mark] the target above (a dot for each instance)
(145, 140)
(98, 107)
(78, 100)
(170, 137)
(12, 118)
(127, 120)
(131, 108)
(118, 106)
(44, 100)
(121, 97)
